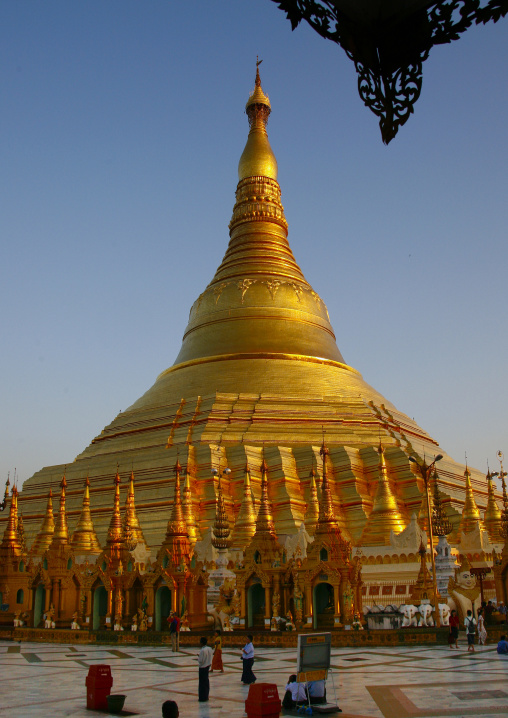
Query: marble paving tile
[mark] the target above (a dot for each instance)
(46, 680)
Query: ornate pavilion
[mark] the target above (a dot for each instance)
(260, 446)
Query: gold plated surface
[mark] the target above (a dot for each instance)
(84, 539)
(45, 536)
(61, 533)
(131, 527)
(470, 513)
(385, 515)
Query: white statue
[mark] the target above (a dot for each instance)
(444, 614)
(75, 625)
(296, 545)
(425, 611)
(117, 625)
(409, 612)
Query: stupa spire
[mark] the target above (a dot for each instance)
(84, 540)
(312, 513)
(132, 530)
(10, 539)
(220, 530)
(188, 511)
(45, 536)
(61, 533)
(245, 524)
(385, 515)
(259, 285)
(492, 515)
(115, 532)
(326, 511)
(470, 513)
(264, 521)
(176, 543)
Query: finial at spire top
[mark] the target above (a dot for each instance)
(258, 78)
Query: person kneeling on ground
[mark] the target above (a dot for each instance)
(170, 709)
(317, 691)
(502, 646)
(295, 693)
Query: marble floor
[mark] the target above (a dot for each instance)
(45, 680)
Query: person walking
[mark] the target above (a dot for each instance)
(454, 630)
(217, 664)
(470, 624)
(482, 631)
(174, 630)
(248, 676)
(204, 663)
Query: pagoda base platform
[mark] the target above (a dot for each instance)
(278, 639)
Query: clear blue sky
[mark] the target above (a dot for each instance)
(121, 126)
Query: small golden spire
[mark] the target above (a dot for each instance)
(470, 513)
(312, 513)
(385, 515)
(84, 539)
(492, 516)
(257, 159)
(10, 539)
(245, 525)
(61, 533)
(115, 533)
(326, 510)
(131, 526)
(176, 524)
(45, 536)
(176, 542)
(188, 511)
(264, 521)
(221, 530)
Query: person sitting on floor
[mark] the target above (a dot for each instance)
(502, 646)
(295, 693)
(170, 709)
(317, 691)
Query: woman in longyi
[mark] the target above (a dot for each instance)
(217, 654)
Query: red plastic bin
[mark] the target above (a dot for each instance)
(98, 687)
(263, 700)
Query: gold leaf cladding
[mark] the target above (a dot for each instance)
(243, 286)
(272, 285)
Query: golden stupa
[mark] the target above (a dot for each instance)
(259, 374)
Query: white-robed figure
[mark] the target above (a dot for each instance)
(75, 625)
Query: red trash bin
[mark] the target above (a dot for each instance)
(98, 687)
(263, 700)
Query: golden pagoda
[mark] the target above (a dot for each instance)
(61, 532)
(259, 366)
(45, 536)
(245, 524)
(492, 516)
(385, 515)
(312, 513)
(176, 544)
(84, 539)
(132, 530)
(188, 511)
(470, 513)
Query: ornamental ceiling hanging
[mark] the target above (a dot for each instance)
(388, 40)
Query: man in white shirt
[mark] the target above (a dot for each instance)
(248, 676)
(204, 662)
